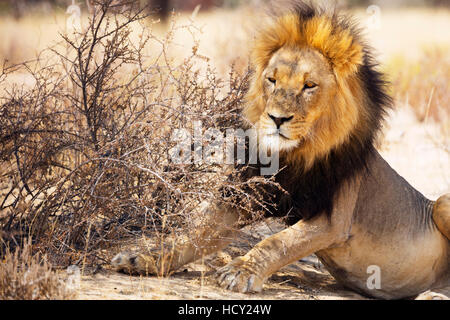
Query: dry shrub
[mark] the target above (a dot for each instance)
(85, 150)
(28, 276)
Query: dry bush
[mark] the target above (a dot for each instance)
(85, 150)
(28, 276)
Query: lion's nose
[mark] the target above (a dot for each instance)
(280, 120)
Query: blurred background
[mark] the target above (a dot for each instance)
(19, 8)
(28, 26)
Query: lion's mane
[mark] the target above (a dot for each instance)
(314, 173)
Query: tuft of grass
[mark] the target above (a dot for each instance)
(28, 276)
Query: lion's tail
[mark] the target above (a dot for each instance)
(441, 214)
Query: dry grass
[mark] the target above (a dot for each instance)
(424, 87)
(28, 276)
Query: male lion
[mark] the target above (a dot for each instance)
(316, 97)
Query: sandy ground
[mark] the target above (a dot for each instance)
(415, 150)
(304, 280)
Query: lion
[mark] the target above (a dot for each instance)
(317, 98)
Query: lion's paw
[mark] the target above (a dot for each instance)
(430, 295)
(235, 276)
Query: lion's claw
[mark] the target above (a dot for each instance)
(236, 277)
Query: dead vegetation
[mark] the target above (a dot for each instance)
(25, 275)
(84, 150)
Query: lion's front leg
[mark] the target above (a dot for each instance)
(248, 273)
(215, 229)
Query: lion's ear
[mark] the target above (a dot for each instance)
(335, 43)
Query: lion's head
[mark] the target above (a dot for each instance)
(314, 89)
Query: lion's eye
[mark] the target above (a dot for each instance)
(272, 80)
(309, 85)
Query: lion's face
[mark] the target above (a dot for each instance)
(298, 88)
(308, 93)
